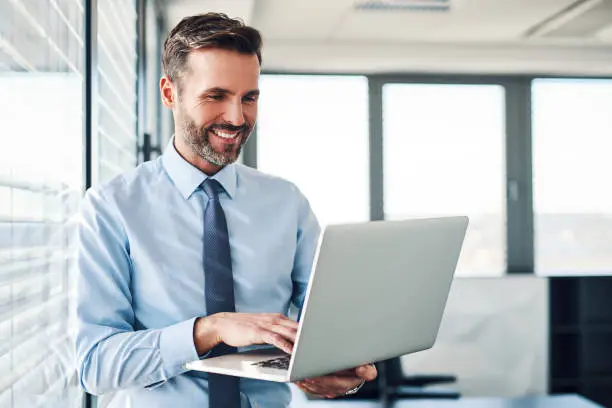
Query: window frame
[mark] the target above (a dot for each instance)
(576, 273)
(518, 144)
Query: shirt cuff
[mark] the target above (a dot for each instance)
(177, 347)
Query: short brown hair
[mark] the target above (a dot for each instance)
(210, 30)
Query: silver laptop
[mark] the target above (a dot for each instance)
(377, 290)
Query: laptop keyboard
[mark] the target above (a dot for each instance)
(281, 363)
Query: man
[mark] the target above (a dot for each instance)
(192, 255)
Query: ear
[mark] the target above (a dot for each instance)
(168, 92)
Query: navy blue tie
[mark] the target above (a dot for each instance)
(224, 390)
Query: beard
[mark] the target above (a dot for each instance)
(198, 138)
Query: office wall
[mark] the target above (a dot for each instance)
(494, 337)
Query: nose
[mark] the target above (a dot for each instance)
(234, 114)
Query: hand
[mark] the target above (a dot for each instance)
(245, 329)
(337, 384)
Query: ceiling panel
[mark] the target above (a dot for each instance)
(467, 20)
(474, 21)
(177, 9)
(475, 36)
(299, 19)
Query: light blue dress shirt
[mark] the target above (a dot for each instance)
(141, 276)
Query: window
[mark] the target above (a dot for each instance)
(41, 182)
(116, 142)
(313, 131)
(443, 149)
(572, 174)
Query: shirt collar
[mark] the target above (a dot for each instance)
(187, 178)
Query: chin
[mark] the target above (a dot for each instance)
(227, 160)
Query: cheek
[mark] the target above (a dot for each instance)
(204, 116)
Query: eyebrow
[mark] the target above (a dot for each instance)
(218, 90)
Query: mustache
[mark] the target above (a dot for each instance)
(230, 128)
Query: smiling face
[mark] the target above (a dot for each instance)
(215, 106)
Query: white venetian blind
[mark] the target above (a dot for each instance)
(41, 182)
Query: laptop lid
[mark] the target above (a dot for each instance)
(378, 291)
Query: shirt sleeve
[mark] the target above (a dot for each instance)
(308, 232)
(111, 355)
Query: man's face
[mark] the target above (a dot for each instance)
(216, 106)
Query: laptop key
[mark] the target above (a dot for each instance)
(281, 363)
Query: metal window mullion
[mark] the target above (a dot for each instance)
(375, 102)
(159, 28)
(90, 87)
(141, 81)
(519, 183)
(90, 106)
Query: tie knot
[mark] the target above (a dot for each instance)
(212, 188)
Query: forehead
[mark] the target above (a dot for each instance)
(213, 67)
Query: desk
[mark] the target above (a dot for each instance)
(554, 401)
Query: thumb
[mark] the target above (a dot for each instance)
(367, 372)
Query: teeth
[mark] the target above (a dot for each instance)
(225, 135)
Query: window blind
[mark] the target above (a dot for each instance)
(41, 76)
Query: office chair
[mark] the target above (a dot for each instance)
(392, 384)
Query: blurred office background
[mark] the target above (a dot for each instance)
(382, 109)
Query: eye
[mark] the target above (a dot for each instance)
(217, 97)
(250, 99)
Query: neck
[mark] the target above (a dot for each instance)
(187, 153)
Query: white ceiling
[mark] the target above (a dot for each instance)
(503, 35)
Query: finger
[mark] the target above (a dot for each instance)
(281, 320)
(276, 340)
(307, 388)
(333, 384)
(286, 332)
(367, 372)
(302, 386)
(317, 389)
